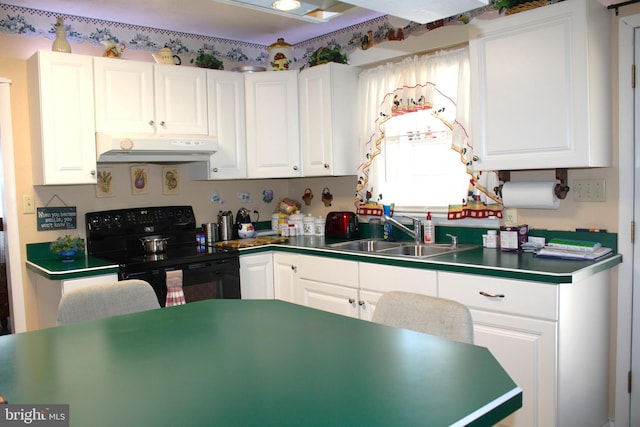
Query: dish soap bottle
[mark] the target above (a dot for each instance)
(429, 230)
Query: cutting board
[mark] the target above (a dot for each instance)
(254, 241)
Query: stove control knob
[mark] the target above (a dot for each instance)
(95, 223)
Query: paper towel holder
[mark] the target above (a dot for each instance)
(561, 189)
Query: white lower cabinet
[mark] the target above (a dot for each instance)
(525, 348)
(49, 293)
(344, 287)
(376, 279)
(285, 277)
(552, 339)
(328, 284)
(256, 276)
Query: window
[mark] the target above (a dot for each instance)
(419, 168)
(415, 146)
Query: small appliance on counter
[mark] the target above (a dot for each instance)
(342, 224)
(245, 228)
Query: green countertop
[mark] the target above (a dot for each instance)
(487, 262)
(42, 261)
(242, 363)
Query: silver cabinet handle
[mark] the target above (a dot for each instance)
(475, 158)
(326, 165)
(295, 168)
(361, 303)
(351, 300)
(294, 268)
(162, 123)
(93, 173)
(151, 123)
(490, 295)
(215, 169)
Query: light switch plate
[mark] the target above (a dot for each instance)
(28, 204)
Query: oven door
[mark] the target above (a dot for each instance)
(218, 279)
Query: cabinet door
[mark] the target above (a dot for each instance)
(285, 277)
(124, 96)
(84, 282)
(518, 322)
(328, 123)
(526, 349)
(228, 125)
(332, 298)
(273, 147)
(367, 301)
(62, 118)
(180, 100)
(256, 276)
(376, 279)
(49, 292)
(538, 101)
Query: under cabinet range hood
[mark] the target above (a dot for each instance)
(114, 148)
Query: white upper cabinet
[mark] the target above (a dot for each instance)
(227, 124)
(328, 126)
(62, 120)
(540, 88)
(273, 146)
(144, 98)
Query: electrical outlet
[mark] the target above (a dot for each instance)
(589, 190)
(510, 216)
(28, 204)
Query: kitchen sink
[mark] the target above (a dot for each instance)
(384, 247)
(370, 245)
(424, 251)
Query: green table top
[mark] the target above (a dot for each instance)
(235, 362)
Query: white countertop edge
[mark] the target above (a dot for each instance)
(487, 408)
(79, 270)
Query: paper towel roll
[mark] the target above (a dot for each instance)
(535, 195)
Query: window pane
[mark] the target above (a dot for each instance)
(421, 170)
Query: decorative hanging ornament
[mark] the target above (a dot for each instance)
(280, 56)
(60, 44)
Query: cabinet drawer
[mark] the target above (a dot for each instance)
(509, 296)
(383, 278)
(328, 270)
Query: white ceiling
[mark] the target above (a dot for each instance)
(204, 17)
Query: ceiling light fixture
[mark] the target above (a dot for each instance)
(286, 4)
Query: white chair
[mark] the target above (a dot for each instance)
(422, 313)
(106, 300)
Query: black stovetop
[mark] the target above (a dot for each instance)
(116, 235)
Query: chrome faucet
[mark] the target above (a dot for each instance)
(416, 233)
(454, 241)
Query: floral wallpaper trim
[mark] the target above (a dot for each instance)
(28, 22)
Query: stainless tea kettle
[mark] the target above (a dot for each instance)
(225, 225)
(243, 216)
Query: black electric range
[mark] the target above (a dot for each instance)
(116, 235)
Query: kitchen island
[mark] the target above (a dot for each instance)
(278, 364)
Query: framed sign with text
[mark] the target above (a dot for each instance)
(57, 218)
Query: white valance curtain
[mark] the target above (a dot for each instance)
(438, 82)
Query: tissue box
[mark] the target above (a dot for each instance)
(512, 238)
